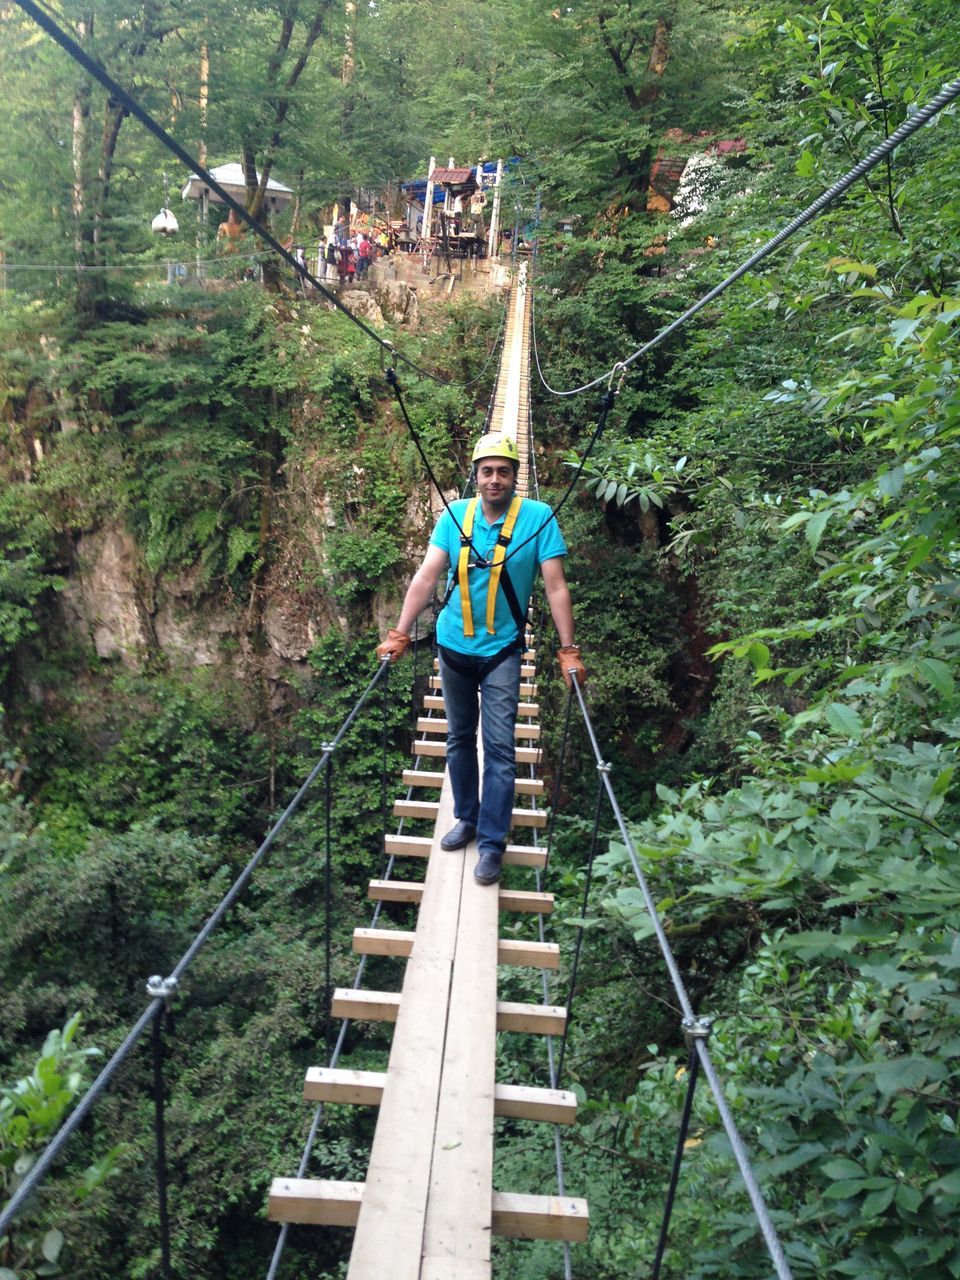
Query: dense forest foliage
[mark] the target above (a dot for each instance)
(765, 573)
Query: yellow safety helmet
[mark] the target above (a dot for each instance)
(496, 447)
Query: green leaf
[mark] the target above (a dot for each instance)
(938, 674)
(52, 1244)
(759, 655)
(815, 527)
(877, 1201)
(844, 720)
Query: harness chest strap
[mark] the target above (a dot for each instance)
(496, 567)
(499, 553)
(463, 565)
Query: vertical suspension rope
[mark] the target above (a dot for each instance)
(580, 930)
(160, 1139)
(327, 904)
(693, 1070)
(383, 769)
(557, 782)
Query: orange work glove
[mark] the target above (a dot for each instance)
(395, 646)
(571, 666)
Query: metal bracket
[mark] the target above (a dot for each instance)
(621, 369)
(326, 747)
(604, 767)
(696, 1029)
(386, 346)
(160, 988)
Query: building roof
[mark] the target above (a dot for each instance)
(230, 177)
(453, 177)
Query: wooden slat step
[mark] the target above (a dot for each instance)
(365, 1088)
(318, 1202)
(367, 1006)
(438, 747)
(434, 703)
(526, 690)
(399, 943)
(517, 855)
(315, 1201)
(383, 1006)
(430, 809)
(416, 809)
(523, 1102)
(409, 846)
(518, 1217)
(339, 1084)
(510, 899)
(433, 724)
(422, 778)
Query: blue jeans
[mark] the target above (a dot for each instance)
(499, 691)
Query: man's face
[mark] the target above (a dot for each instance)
(495, 481)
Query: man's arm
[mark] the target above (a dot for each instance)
(421, 588)
(419, 594)
(558, 598)
(561, 608)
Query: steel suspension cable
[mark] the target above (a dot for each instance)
(168, 985)
(949, 93)
(691, 1023)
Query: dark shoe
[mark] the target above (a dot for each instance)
(487, 870)
(458, 837)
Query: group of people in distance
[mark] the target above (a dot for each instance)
(348, 255)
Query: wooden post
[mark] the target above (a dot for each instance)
(426, 229)
(494, 250)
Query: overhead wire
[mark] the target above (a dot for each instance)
(922, 116)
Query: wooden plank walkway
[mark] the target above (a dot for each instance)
(428, 1209)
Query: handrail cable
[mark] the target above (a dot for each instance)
(162, 989)
(695, 1028)
(910, 126)
(130, 104)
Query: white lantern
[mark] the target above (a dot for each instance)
(165, 224)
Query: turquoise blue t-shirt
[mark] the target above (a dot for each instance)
(521, 565)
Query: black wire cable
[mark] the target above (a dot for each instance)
(693, 1067)
(328, 905)
(572, 989)
(160, 1140)
(557, 780)
(910, 126)
(76, 1117)
(130, 105)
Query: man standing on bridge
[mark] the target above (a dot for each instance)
(491, 545)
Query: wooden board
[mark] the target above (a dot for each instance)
(409, 846)
(438, 747)
(509, 899)
(339, 1084)
(433, 724)
(365, 1089)
(312, 1200)
(517, 1217)
(398, 942)
(398, 1176)
(457, 1230)
(540, 1217)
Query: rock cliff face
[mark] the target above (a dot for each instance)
(113, 603)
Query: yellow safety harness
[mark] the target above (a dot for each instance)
(497, 569)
